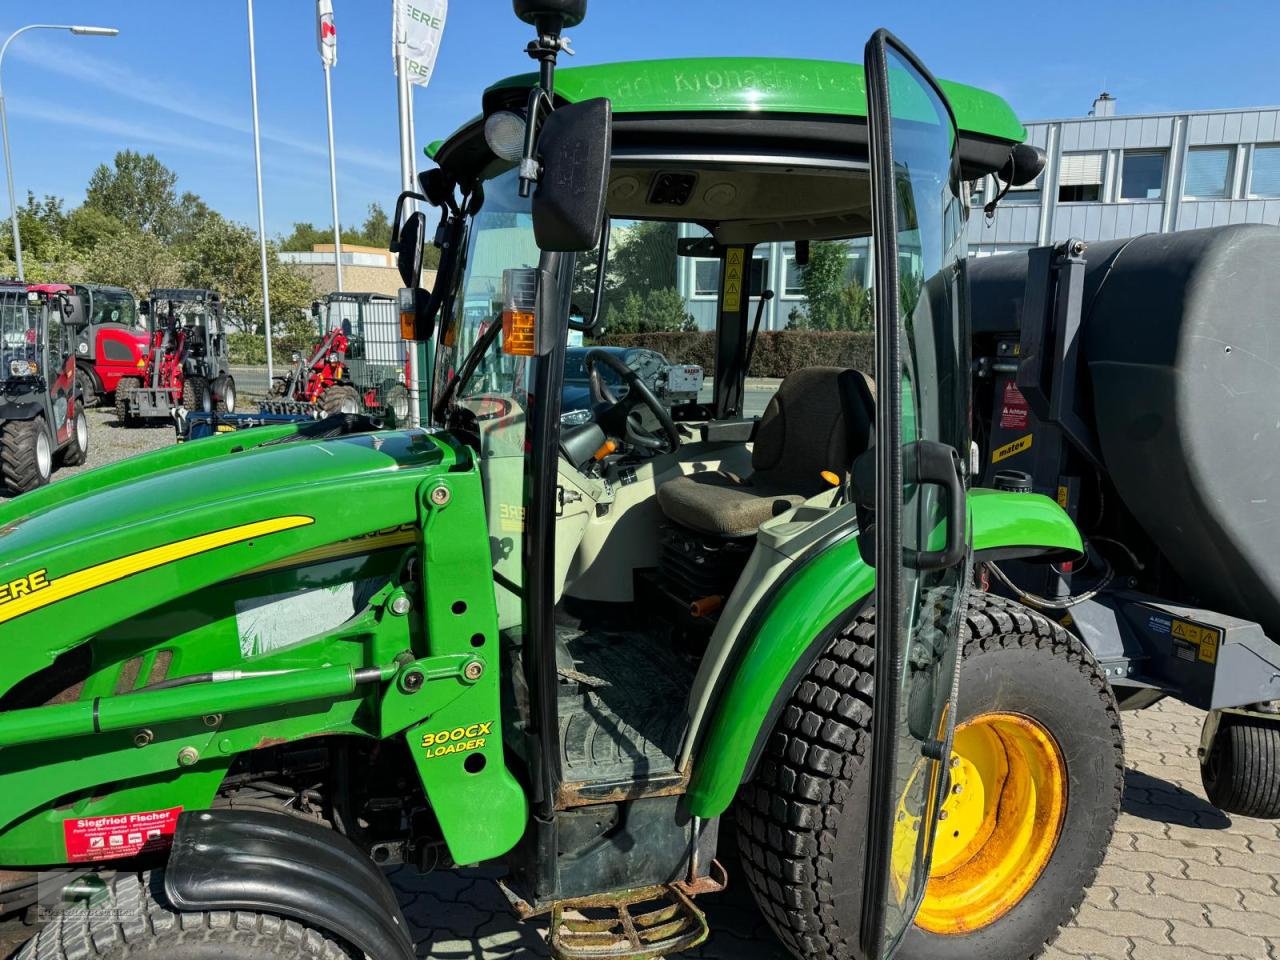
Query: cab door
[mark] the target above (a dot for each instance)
(60, 367)
(921, 538)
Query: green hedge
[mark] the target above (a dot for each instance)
(777, 354)
(250, 349)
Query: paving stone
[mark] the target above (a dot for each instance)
(1217, 940)
(1159, 907)
(1258, 917)
(1087, 942)
(1230, 876)
(1122, 924)
(1111, 875)
(1145, 950)
(1178, 849)
(1196, 891)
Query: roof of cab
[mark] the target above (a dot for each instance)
(752, 84)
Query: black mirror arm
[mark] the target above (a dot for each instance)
(597, 301)
(539, 105)
(397, 222)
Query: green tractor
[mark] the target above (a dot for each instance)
(246, 674)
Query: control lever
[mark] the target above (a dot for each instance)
(765, 297)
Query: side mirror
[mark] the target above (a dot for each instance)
(703, 248)
(144, 307)
(568, 205)
(1023, 166)
(409, 248)
(315, 309)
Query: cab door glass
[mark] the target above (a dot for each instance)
(922, 362)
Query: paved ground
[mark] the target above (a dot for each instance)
(1181, 880)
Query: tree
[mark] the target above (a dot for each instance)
(658, 311)
(138, 191)
(642, 257)
(137, 260)
(224, 256)
(190, 214)
(86, 227)
(831, 301)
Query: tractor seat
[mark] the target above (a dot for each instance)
(820, 419)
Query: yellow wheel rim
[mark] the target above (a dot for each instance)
(999, 825)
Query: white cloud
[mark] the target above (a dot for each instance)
(122, 81)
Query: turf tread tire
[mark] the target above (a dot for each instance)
(89, 394)
(19, 465)
(122, 400)
(1245, 776)
(74, 455)
(195, 390)
(332, 399)
(817, 762)
(140, 923)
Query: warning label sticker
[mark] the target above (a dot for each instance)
(118, 835)
(733, 260)
(1013, 408)
(1204, 639)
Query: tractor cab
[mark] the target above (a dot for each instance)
(188, 362)
(108, 339)
(652, 559)
(357, 364)
(42, 421)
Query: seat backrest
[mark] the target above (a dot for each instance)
(820, 419)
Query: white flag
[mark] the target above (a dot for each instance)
(326, 32)
(416, 29)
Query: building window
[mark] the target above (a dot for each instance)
(1142, 176)
(857, 268)
(706, 278)
(759, 275)
(1265, 178)
(791, 276)
(1208, 172)
(1026, 195)
(1080, 179)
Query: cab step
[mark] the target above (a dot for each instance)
(637, 924)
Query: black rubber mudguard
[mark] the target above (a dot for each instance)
(273, 863)
(19, 411)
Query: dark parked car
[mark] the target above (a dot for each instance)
(577, 394)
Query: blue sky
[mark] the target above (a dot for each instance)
(175, 82)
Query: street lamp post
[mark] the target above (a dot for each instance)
(78, 30)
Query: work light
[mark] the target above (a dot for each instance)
(504, 132)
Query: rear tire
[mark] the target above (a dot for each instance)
(134, 918)
(225, 396)
(340, 398)
(124, 412)
(395, 401)
(26, 454)
(88, 387)
(76, 451)
(1241, 773)
(801, 819)
(1018, 662)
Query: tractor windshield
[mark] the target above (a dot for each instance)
(110, 307)
(19, 333)
(498, 274)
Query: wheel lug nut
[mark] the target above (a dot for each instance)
(957, 789)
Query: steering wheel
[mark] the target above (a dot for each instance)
(618, 417)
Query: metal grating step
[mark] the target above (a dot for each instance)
(636, 925)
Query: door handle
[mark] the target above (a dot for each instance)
(929, 462)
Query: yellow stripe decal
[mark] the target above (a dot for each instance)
(103, 573)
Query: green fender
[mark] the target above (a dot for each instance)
(808, 607)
